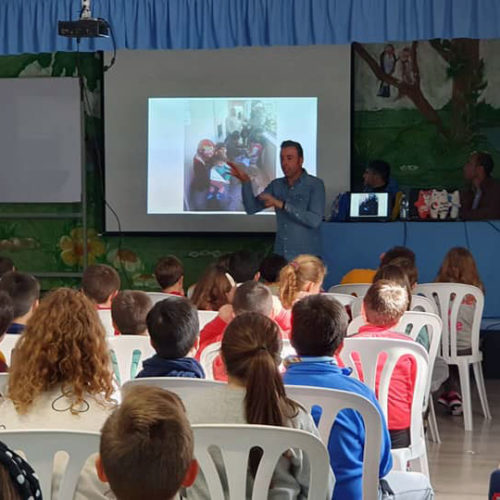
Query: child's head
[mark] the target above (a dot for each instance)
(243, 266)
(396, 252)
(129, 310)
(304, 274)
(253, 296)
(100, 283)
(6, 311)
(459, 266)
(319, 325)
(396, 274)
(384, 303)
(212, 290)
(6, 265)
(409, 268)
(147, 446)
(24, 290)
(173, 327)
(271, 267)
(251, 348)
(64, 344)
(169, 273)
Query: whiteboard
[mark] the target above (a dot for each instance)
(40, 140)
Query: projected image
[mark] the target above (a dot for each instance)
(369, 205)
(242, 131)
(191, 141)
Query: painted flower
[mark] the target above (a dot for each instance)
(124, 259)
(147, 281)
(72, 247)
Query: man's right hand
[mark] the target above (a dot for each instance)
(238, 172)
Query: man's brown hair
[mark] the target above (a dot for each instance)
(385, 302)
(168, 271)
(129, 310)
(147, 445)
(99, 281)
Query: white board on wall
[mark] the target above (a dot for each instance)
(40, 140)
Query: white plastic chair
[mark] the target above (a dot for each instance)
(124, 347)
(157, 296)
(179, 385)
(235, 443)
(331, 402)
(441, 293)
(287, 349)
(40, 446)
(107, 321)
(205, 317)
(8, 344)
(367, 352)
(344, 298)
(4, 381)
(356, 289)
(207, 359)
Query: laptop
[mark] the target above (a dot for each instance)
(366, 207)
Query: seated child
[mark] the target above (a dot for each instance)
(169, 272)
(6, 265)
(270, 269)
(220, 174)
(395, 253)
(147, 446)
(243, 266)
(24, 290)
(6, 317)
(251, 296)
(174, 328)
(213, 289)
(128, 312)
(101, 283)
(383, 305)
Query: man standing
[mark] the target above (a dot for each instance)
(481, 200)
(298, 199)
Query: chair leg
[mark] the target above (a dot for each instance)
(481, 389)
(463, 371)
(433, 425)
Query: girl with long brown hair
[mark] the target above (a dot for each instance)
(255, 394)
(213, 289)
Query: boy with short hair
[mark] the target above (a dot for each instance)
(6, 317)
(169, 273)
(101, 283)
(24, 290)
(318, 329)
(129, 310)
(147, 446)
(174, 328)
(384, 304)
(269, 269)
(243, 266)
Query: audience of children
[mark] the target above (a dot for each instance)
(318, 329)
(24, 290)
(270, 269)
(169, 273)
(459, 266)
(383, 305)
(255, 395)
(147, 446)
(213, 289)
(301, 277)
(6, 317)
(101, 283)
(174, 329)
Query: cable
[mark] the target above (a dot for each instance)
(113, 39)
(405, 232)
(466, 233)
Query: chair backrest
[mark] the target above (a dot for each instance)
(287, 349)
(124, 347)
(180, 385)
(344, 298)
(331, 401)
(8, 344)
(107, 321)
(4, 381)
(449, 297)
(157, 296)
(356, 289)
(205, 317)
(365, 353)
(40, 446)
(207, 359)
(235, 443)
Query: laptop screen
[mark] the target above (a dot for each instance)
(367, 206)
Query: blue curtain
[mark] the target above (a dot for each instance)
(31, 25)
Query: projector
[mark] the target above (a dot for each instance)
(84, 28)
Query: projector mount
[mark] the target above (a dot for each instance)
(86, 26)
